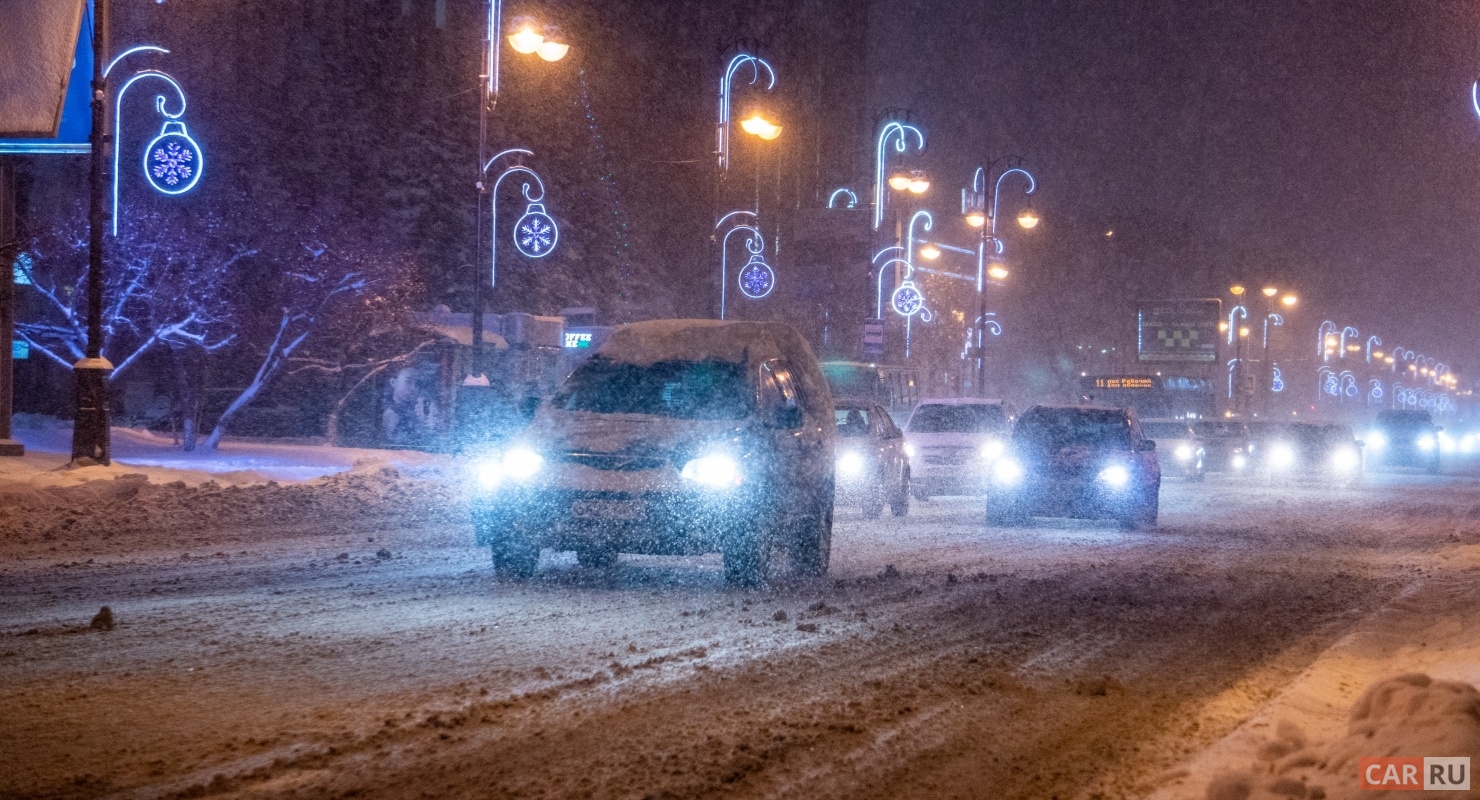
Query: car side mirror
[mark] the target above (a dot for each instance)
(1146, 445)
(787, 417)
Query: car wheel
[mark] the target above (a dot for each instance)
(513, 558)
(811, 544)
(873, 506)
(1143, 516)
(1004, 513)
(597, 556)
(900, 505)
(747, 556)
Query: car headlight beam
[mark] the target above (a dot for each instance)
(716, 471)
(521, 463)
(992, 450)
(1425, 443)
(1281, 456)
(1184, 452)
(1115, 476)
(850, 465)
(1007, 472)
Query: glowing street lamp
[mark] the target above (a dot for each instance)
(984, 218)
(930, 252)
(1289, 300)
(896, 135)
(537, 229)
(757, 125)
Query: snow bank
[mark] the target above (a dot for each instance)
(153, 495)
(1410, 715)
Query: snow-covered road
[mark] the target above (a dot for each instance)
(324, 650)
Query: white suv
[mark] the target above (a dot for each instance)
(952, 443)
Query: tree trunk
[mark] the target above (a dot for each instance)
(188, 381)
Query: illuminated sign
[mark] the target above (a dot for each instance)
(1178, 330)
(577, 340)
(20, 349)
(1125, 382)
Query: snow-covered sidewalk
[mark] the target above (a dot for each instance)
(49, 443)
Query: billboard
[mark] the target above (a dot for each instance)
(1178, 330)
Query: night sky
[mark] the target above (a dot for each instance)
(1327, 145)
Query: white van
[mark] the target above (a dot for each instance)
(952, 442)
(677, 437)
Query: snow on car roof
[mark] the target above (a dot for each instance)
(959, 401)
(690, 340)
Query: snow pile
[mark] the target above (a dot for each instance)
(122, 505)
(1410, 715)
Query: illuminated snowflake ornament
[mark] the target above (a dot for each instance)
(757, 279)
(907, 300)
(173, 161)
(535, 234)
(1277, 381)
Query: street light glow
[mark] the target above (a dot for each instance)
(551, 49)
(930, 252)
(1237, 290)
(757, 125)
(1270, 291)
(899, 182)
(1243, 332)
(1289, 300)
(976, 219)
(997, 272)
(918, 184)
(1028, 218)
(526, 39)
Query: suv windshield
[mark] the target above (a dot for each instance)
(971, 418)
(1405, 419)
(1214, 429)
(1049, 430)
(683, 389)
(1164, 430)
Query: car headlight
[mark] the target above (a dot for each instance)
(992, 450)
(1115, 476)
(1281, 456)
(1446, 442)
(1376, 441)
(1346, 459)
(717, 471)
(488, 473)
(1425, 443)
(1184, 452)
(850, 465)
(1006, 471)
(521, 463)
(909, 450)
(1238, 461)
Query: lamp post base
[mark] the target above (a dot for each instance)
(11, 448)
(90, 435)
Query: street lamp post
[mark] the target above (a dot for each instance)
(764, 75)
(527, 38)
(974, 208)
(90, 434)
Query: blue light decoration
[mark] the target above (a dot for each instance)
(976, 199)
(1331, 384)
(755, 245)
(1237, 312)
(1349, 383)
(1348, 331)
(1374, 393)
(1232, 371)
(1372, 340)
(536, 234)
(740, 61)
(832, 199)
(897, 134)
(173, 162)
(757, 279)
(1325, 329)
(1277, 380)
(907, 300)
(1475, 97)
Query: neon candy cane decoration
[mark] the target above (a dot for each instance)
(832, 199)
(737, 63)
(900, 133)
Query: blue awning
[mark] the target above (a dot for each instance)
(46, 67)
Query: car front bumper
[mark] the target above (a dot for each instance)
(653, 522)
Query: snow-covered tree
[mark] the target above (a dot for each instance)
(161, 287)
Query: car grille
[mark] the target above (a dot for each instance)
(615, 462)
(954, 457)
